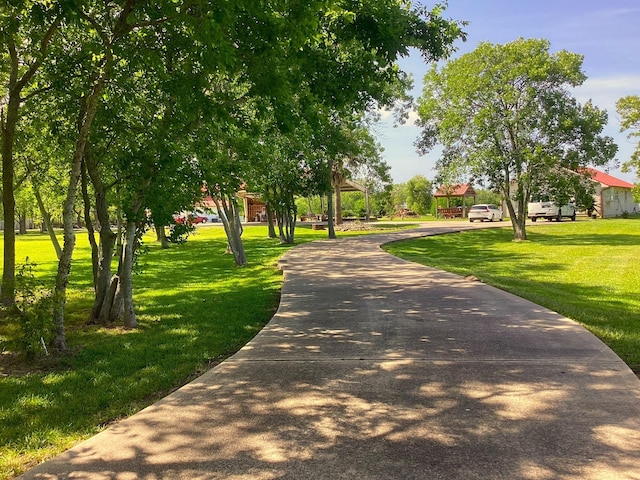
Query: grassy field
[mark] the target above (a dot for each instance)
(587, 270)
(194, 308)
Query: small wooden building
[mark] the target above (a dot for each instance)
(255, 210)
(448, 192)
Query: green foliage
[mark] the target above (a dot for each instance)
(398, 197)
(487, 196)
(629, 111)
(585, 270)
(419, 194)
(35, 304)
(179, 232)
(504, 114)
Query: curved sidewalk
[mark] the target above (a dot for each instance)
(378, 368)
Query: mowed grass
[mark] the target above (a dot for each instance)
(586, 270)
(194, 307)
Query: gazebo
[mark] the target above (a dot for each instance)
(350, 186)
(463, 191)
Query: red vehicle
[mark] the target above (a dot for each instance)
(190, 218)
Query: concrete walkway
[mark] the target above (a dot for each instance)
(377, 368)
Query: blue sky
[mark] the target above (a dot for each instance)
(606, 33)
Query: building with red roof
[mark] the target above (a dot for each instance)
(613, 196)
(462, 191)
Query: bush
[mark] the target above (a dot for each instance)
(179, 232)
(35, 311)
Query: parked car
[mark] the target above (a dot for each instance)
(485, 211)
(550, 211)
(207, 216)
(190, 218)
(194, 218)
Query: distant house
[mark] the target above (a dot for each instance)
(613, 196)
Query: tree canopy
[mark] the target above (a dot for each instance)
(505, 114)
(629, 111)
(144, 104)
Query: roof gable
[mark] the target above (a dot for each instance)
(608, 180)
(463, 190)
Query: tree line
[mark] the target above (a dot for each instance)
(141, 107)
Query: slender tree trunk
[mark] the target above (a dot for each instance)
(91, 234)
(86, 117)
(107, 313)
(338, 204)
(89, 107)
(330, 226)
(120, 232)
(519, 226)
(46, 220)
(161, 236)
(287, 221)
(228, 211)
(125, 286)
(271, 222)
(22, 224)
(124, 292)
(101, 310)
(8, 124)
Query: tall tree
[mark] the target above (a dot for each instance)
(101, 29)
(419, 193)
(26, 32)
(629, 111)
(504, 113)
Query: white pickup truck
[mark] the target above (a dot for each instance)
(550, 211)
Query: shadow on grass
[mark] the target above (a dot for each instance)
(374, 367)
(194, 307)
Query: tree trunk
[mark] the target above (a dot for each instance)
(271, 222)
(91, 234)
(338, 205)
(101, 310)
(331, 228)
(519, 227)
(87, 114)
(8, 126)
(109, 307)
(22, 224)
(287, 220)
(161, 236)
(125, 286)
(46, 221)
(228, 211)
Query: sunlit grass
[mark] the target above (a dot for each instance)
(588, 271)
(194, 307)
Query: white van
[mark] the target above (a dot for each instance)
(550, 211)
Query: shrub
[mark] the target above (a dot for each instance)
(34, 301)
(179, 232)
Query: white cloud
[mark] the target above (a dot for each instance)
(606, 91)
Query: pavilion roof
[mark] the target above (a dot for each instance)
(461, 190)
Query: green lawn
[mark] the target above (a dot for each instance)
(586, 270)
(194, 308)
